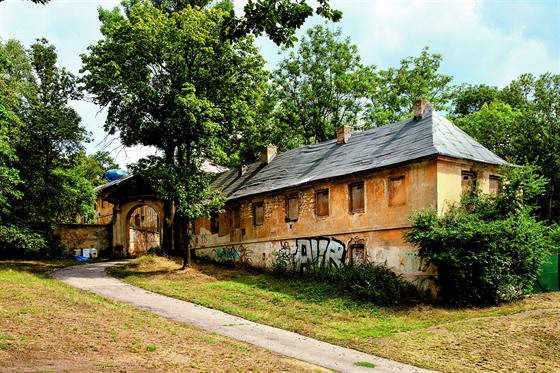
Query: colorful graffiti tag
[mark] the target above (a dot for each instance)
(233, 253)
(313, 251)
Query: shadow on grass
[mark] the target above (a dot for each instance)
(298, 287)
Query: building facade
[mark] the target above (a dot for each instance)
(346, 201)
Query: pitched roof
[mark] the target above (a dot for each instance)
(390, 145)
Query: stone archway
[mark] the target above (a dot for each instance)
(143, 230)
(137, 226)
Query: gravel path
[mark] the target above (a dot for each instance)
(93, 278)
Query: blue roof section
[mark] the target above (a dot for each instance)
(390, 145)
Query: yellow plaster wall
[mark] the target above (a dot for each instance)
(449, 179)
(380, 226)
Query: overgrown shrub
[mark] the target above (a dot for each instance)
(375, 283)
(18, 242)
(487, 248)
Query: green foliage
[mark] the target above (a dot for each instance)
(521, 124)
(396, 89)
(317, 88)
(17, 242)
(171, 82)
(40, 134)
(488, 248)
(371, 282)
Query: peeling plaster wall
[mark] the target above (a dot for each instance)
(79, 236)
(375, 235)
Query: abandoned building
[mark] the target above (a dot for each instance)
(337, 202)
(347, 200)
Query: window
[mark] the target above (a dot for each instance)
(357, 254)
(467, 178)
(292, 208)
(397, 191)
(214, 223)
(258, 213)
(235, 217)
(357, 198)
(494, 184)
(322, 202)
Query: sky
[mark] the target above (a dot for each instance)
(481, 42)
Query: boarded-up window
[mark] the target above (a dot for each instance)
(357, 197)
(397, 191)
(292, 208)
(494, 184)
(235, 217)
(322, 202)
(467, 179)
(357, 254)
(258, 213)
(214, 223)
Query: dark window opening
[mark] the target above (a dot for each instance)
(235, 217)
(214, 223)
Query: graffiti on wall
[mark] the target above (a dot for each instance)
(312, 251)
(320, 251)
(409, 262)
(237, 253)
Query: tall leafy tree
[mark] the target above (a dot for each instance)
(397, 88)
(50, 134)
(170, 81)
(39, 134)
(522, 124)
(318, 88)
(9, 124)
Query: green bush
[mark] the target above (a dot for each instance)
(18, 242)
(488, 248)
(376, 283)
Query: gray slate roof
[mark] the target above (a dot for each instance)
(398, 143)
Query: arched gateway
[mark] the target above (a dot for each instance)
(135, 216)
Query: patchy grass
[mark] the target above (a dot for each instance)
(46, 325)
(523, 336)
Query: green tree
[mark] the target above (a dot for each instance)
(50, 134)
(521, 124)
(468, 98)
(93, 167)
(396, 89)
(488, 248)
(170, 81)
(39, 134)
(495, 126)
(9, 124)
(317, 88)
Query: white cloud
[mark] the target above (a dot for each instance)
(473, 50)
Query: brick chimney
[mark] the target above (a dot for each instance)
(421, 106)
(268, 153)
(343, 134)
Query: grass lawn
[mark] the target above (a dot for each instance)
(518, 337)
(48, 326)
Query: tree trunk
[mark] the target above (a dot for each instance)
(168, 210)
(167, 241)
(185, 242)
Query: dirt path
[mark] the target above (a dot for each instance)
(93, 278)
